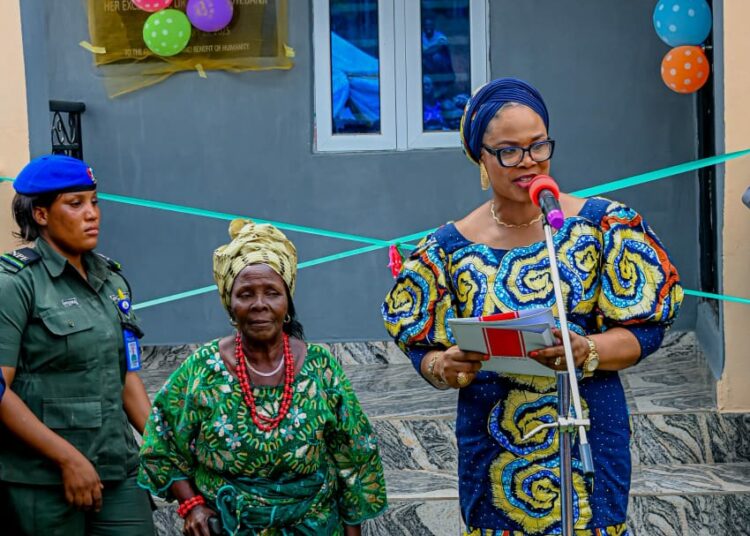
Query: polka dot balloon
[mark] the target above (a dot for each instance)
(152, 5)
(685, 69)
(210, 15)
(167, 32)
(682, 22)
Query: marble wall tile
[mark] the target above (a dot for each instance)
(428, 444)
(392, 391)
(691, 479)
(416, 518)
(419, 485)
(679, 382)
(729, 437)
(158, 362)
(700, 437)
(367, 353)
(699, 515)
(671, 438)
(166, 520)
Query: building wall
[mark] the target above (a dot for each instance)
(242, 144)
(733, 394)
(14, 127)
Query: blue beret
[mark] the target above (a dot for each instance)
(54, 173)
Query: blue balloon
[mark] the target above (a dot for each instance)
(682, 22)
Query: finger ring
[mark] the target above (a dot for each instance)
(463, 379)
(558, 361)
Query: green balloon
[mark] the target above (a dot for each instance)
(167, 32)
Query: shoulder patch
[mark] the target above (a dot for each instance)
(18, 259)
(113, 264)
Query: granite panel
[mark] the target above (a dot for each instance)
(428, 444)
(691, 479)
(729, 436)
(419, 485)
(671, 438)
(416, 518)
(676, 378)
(699, 515)
(368, 353)
(397, 391)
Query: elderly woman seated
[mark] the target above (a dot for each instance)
(258, 429)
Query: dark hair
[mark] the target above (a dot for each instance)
(23, 213)
(293, 328)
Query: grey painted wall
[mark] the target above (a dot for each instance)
(243, 144)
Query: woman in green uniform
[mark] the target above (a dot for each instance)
(68, 352)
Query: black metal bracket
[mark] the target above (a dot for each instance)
(67, 137)
(707, 188)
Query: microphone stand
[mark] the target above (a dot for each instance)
(567, 392)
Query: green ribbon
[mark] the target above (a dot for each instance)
(401, 241)
(712, 296)
(193, 211)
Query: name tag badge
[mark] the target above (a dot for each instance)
(132, 350)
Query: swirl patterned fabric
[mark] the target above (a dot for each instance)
(615, 272)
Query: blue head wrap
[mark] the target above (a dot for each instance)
(485, 103)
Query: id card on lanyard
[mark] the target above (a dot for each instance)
(132, 346)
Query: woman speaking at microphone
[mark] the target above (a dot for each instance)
(621, 292)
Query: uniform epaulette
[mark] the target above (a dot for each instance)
(17, 260)
(113, 264)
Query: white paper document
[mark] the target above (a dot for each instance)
(508, 338)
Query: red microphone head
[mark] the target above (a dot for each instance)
(543, 182)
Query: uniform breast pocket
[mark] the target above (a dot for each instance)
(72, 344)
(71, 413)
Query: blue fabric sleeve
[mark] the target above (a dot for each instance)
(416, 354)
(649, 337)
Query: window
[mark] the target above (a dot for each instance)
(395, 74)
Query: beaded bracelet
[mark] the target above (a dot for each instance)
(189, 504)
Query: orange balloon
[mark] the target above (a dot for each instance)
(685, 69)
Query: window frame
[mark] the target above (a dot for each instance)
(325, 140)
(400, 53)
(417, 138)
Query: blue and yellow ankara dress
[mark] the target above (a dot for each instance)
(615, 272)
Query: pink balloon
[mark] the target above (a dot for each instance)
(152, 5)
(210, 15)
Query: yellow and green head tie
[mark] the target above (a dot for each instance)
(253, 244)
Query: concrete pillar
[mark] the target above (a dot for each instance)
(14, 124)
(734, 386)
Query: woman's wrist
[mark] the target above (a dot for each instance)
(188, 504)
(433, 373)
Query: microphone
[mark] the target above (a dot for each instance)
(545, 194)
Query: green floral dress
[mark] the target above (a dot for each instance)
(320, 468)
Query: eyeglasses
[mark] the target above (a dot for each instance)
(539, 151)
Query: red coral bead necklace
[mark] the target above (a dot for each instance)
(264, 423)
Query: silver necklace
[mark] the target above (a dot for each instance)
(266, 374)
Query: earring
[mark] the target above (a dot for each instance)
(233, 322)
(484, 177)
(287, 318)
